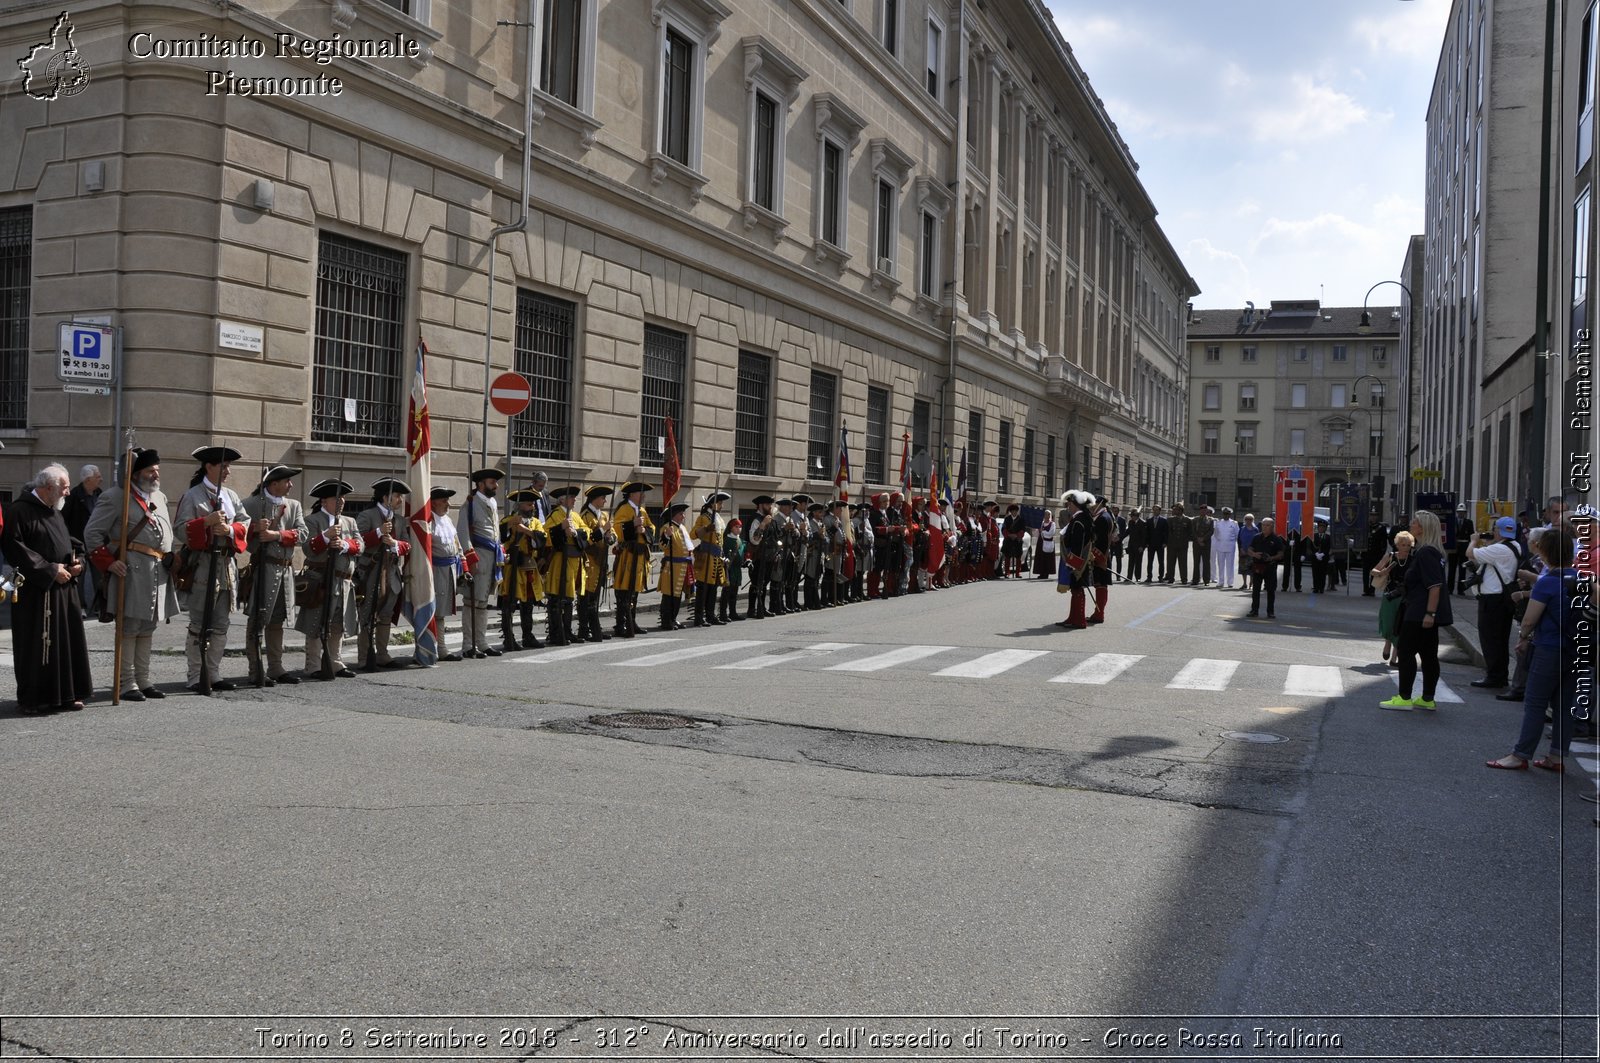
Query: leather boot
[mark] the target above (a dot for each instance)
(669, 609)
(713, 595)
(699, 618)
(552, 613)
(507, 640)
(633, 613)
(529, 641)
(594, 617)
(589, 618)
(624, 626)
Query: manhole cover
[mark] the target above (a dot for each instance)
(1260, 738)
(649, 721)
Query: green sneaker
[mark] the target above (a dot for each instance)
(1397, 702)
(1424, 703)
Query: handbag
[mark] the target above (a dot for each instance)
(1380, 578)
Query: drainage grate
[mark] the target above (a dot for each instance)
(649, 721)
(1261, 738)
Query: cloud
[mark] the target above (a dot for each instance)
(1412, 31)
(1306, 111)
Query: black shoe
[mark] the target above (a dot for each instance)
(133, 695)
(1272, 616)
(1252, 613)
(1488, 684)
(452, 657)
(510, 644)
(344, 673)
(152, 693)
(223, 685)
(1510, 695)
(287, 679)
(264, 681)
(1092, 620)
(194, 688)
(531, 643)
(477, 655)
(490, 651)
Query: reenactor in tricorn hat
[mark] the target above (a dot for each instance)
(328, 609)
(563, 576)
(708, 561)
(449, 564)
(386, 544)
(523, 537)
(596, 523)
(277, 526)
(485, 556)
(674, 565)
(214, 527)
(149, 598)
(635, 534)
(765, 550)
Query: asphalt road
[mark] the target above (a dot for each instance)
(940, 806)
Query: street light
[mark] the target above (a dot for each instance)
(1238, 451)
(1365, 328)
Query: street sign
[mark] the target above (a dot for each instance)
(86, 353)
(86, 389)
(510, 393)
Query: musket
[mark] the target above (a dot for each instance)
(213, 556)
(399, 576)
(329, 578)
(253, 626)
(122, 584)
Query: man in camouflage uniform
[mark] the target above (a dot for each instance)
(214, 527)
(277, 526)
(332, 546)
(149, 599)
(381, 571)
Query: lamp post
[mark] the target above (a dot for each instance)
(1365, 329)
(1238, 452)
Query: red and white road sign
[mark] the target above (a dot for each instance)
(510, 393)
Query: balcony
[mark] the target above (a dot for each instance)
(1065, 380)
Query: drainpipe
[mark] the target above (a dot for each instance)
(1541, 311)
(959, 231)
(520, 225)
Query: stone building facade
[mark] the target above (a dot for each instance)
(766, 223)
(1293, 384)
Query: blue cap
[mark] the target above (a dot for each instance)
(1506, 527)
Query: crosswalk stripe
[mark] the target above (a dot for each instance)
(687, 653)
(878, 662)
(821, 649)
(1441, 693)
(992, 664)
(1314, 681)
(1204, 674)
(1100, 669)
(567, 653)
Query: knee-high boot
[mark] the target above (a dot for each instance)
(713, 593)
(557, 634)
(624, 626)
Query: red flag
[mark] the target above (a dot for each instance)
(671, 474)
(905, 464)
(841, 478)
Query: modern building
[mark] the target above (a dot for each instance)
(1296, 383)
(1575, 237)
(1406, 467)
(761, 223)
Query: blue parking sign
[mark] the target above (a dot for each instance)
(86, 344)
(87, 353)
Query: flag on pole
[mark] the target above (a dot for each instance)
(841, 477)
(961, 477)
(419, 607)
(933, 485)
(1295, 508)
(671, 474)
(944, 474)
(905, 463)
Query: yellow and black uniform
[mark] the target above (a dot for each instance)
(674, 566)
(709, 571)
(635, 532)
(563, 572)
(521, 584)
(596, 524)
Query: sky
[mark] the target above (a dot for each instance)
(1281, 140)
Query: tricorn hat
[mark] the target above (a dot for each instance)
(599, 491)
(488, 474)
(215, 455)
(143, 459)
(815, 507)
(389, 486)
(762, 500)
(568, 491)
(637, 485)
(674, 509)
(717, 496)
(786, 502)
(331, 488)
(802, 498)
(280, 472)
(440, 492)
(527, 494)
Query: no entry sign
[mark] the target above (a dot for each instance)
(510, 394)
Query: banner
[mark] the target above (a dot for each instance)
(1296, 500)
(671, 474)
(1441, 504)
(841, 477)
(419, 606)
(905, 465)
(1351, 517)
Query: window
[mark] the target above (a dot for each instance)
(1050, 467)
(1375, 444)
(1588, 73)
(975, 450)
(820, 453)
(928, 276)
(545, 337)
(1002, 481)
(921, 441)
(1210, 437)
(774, 81)
(666, 357)
(890, 27)
(752, 410)
(1247, 396)
(832, 193)
(877, 435)
(1377, 395)
(1297, 396)
(890, 168)
(883, 225)
(677, 97)
(1213, 397)
(1297, 441)
(685, 30)
(1380, 352)
(1245, 492)
(360, 342)
(1341, 353)
(562, 49)
(1247, 354)
(16, 287)
(1336, 396)
(1336, 438)
(1028, 441)
(935, 59)
(1301, 352)
(1247, 439)
(838, 129)
(1003, 165)
(1213, 353)
(763, 178)
(1581, 235)
(1208, 490)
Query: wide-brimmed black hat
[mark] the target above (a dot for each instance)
(762, 500)
(487, 474)
(674, 509)
(143, 459)
(803, 498)
(836, 503)
(440, 492)
(598, 491)
(717, 496)
(280, 472)
(526, 495)
(637, 485)
(815, 507)
(786, 501)
(214, 455)
(331, 488)
(389, 485)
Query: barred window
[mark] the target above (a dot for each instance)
(1050, 466)
(1027, 461)
(666, 356)
(16, 274)
(975, 450)
(876, 471)
(753, 410)
(1002, 481)
(921, 430)
(820, 452)
(360, 342)
(545, 336)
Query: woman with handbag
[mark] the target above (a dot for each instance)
(1389, 580)
(1426, 610)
